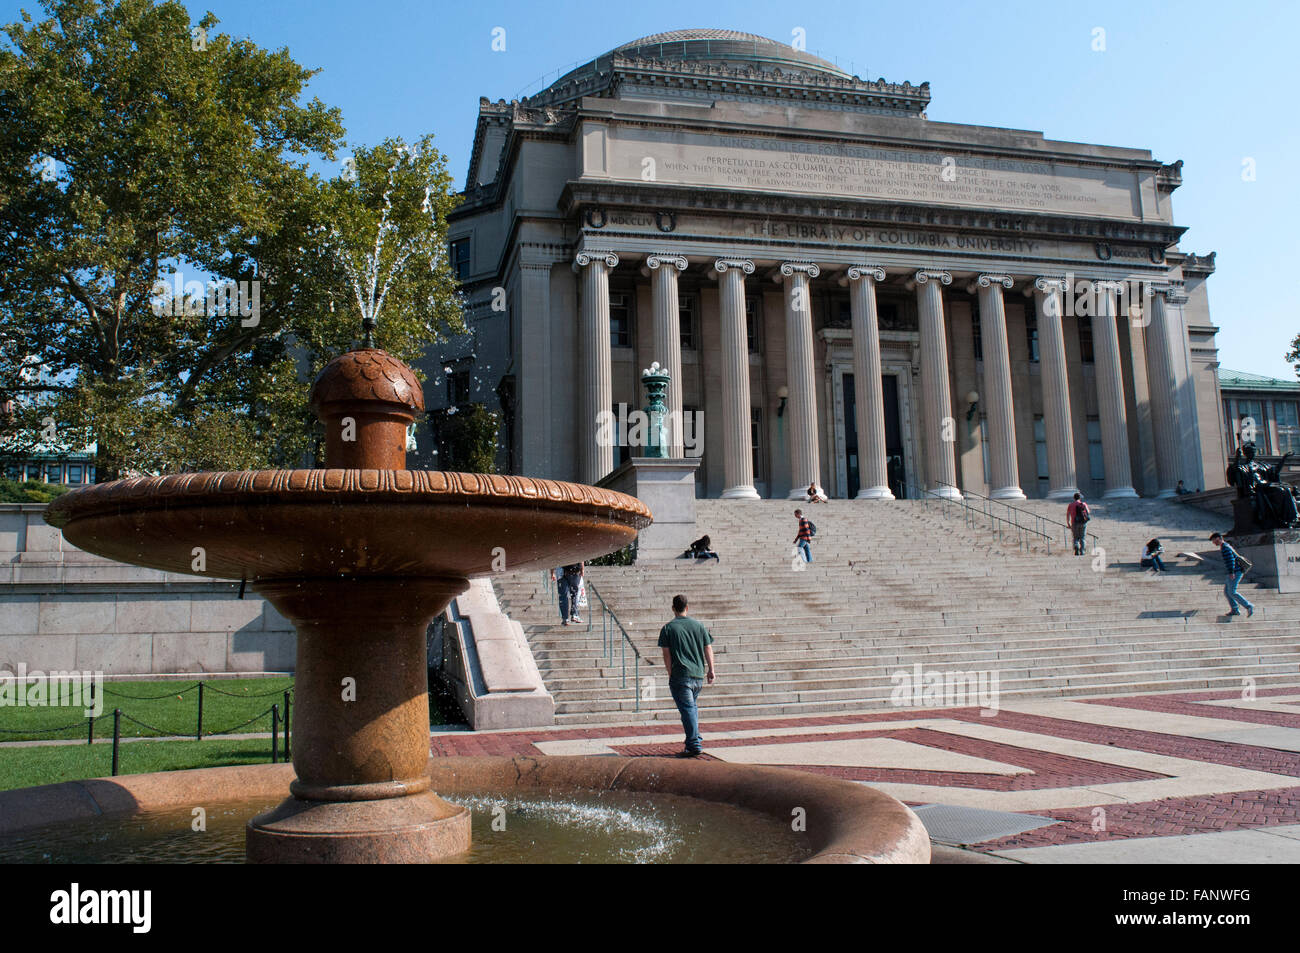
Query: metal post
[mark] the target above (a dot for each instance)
(286, 725)
(275, 734)
(198, 735)
(90, 730)
(117, 736)
(622, 655)
(636, 665)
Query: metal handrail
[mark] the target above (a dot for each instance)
(1039, 521)
(1003, 525)
(607, 644)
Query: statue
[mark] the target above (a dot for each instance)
(1274, 504)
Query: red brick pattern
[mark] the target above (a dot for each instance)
(1185, 704)
(1241, 810)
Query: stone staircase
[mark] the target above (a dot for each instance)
(897, 584)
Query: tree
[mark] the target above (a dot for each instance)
(1293, 356)
(135, 147)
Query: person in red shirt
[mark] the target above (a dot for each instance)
(805, 536)
(1077, 515)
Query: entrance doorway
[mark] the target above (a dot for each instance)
(896, 463)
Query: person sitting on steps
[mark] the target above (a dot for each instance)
(1150, 558)
(702, 548)
(815, 495)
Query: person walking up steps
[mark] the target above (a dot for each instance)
(688, 658)
(804, 539)
(567, 581)
(1077, 515)
(1236, 565)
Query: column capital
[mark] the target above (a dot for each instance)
(585, 258)
(1173, 291)
(666, 258)
(1048, 285)
(866, 271)
(1108, 284)
(809, 268)
(986, 281)
(726, 264)
(925, 275)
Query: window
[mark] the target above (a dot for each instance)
(756, 440)
(1040, 452)
(54, 473)
(74, 473)
(620, 320)
(1085, 341)
(458, 383)
(622, 451)
(1031, 334)
(753, 326)
(1096, 459)
(977, 334)
(686, 317)
(34, 471)
(1287, 413)
(1250, 424)
(459, 254)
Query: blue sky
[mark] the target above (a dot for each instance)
(1210, 83)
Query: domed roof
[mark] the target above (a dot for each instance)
(726, 46)
(368, 375)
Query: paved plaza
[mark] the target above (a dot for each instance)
(1181, 777)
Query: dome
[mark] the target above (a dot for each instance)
(369, 375)
(725, 46)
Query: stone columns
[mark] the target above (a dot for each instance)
(595, 387)
(1005, 478)
(873, 477)
(1110, 393)
(937, 423)
(1163, 388)
(737, 448)
(1057, 425)
(667, 348)
(805, 460)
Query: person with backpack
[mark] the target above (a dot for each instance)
(1236, 565)
(807, 530)
(1077, 515)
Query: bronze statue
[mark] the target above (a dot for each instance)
(1276, 505)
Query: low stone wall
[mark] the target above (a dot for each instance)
(62, 609)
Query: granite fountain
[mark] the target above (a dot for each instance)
(360, 556)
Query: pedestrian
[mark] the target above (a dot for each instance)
(1236, 565)
(568, 581)
(804, 539)
(1151, 556)
(1077, 515)
(688, 659)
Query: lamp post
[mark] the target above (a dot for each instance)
(655, 381)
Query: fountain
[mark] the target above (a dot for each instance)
(360, 557)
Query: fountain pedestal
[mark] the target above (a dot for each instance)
(361, 726)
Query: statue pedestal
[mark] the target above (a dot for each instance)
(1276, 556)
(667, 486)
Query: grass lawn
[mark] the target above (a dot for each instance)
(170, 706)
(25, 767)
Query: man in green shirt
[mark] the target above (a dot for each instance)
(688, 657)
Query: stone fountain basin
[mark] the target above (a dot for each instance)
(268, 524)
(845, 822)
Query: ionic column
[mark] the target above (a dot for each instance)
(737, 447)
(805, 461)
(1110, 393)
(997, 389)
(668, 339)
(1057, 426)
(937, 423)
(1162, 384)
(873, 477)
(595, 388)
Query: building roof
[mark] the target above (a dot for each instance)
(724, 46)
(1244, 380)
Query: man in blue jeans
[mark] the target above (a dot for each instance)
(688, 658)
(1236, 566)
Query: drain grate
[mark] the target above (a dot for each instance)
(971, 825)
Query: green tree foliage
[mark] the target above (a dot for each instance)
(1293, 356)
(467, 438)
(135, 145)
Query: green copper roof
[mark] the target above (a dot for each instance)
(1244, 380)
